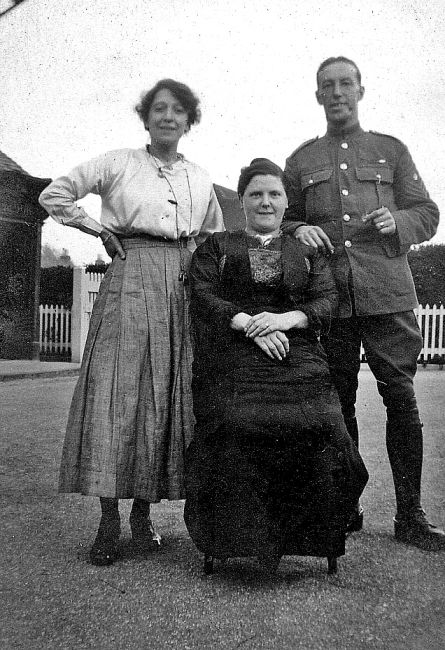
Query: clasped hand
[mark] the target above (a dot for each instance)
(264, 323)
(275, 344)
(267, 322)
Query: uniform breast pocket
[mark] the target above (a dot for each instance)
(376, 187)
(315, 186)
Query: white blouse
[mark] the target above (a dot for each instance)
(137, 196)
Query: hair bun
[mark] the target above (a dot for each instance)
(258, 166)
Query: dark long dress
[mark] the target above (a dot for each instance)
(271, 468)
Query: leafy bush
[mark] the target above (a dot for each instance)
(56, 286)
(428, 268)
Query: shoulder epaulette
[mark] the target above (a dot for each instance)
(385, 135)
(302, 146)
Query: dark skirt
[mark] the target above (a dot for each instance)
(271, 468)
(131, 417)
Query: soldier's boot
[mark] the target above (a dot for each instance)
(404, 442)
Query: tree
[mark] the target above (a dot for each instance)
(56, 286)
(55, 257)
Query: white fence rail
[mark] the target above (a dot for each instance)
(64, 331)
(431, 323)
(55, 330)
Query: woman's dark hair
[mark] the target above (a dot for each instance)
(259, 167)
(183, 94)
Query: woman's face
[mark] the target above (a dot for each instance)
(167, 119)
(264, 202)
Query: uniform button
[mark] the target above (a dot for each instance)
(348, 243)
(343, 166)
(345, 192)
(311, 181)
(344, 145)
(346, 217)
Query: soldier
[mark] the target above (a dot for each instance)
(357, 196)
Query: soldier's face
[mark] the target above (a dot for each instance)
(339, 93)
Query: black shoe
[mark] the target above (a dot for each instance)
(144, 536)
(104, 550)
(415, 529)
(355, 522)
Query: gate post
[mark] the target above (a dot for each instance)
(79, 317)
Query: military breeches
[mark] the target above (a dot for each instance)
(392, 344)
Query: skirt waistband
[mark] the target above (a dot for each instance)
(151, 241)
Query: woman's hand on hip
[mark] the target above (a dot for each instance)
(112, 244)
(275, 345)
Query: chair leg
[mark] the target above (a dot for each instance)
(208, 565)
(332, 565)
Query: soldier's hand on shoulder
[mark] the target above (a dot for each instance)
(314, 236)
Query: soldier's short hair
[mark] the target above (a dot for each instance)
(339, 59)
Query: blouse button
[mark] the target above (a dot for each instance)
(344, 145)
(345, 192)
(348, 243)
(343, 166)
(346, 217)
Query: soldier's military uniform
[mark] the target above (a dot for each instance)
(333, 182)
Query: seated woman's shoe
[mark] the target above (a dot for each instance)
(104, 550)
(144, 536)
(415, 529)
(355, 522)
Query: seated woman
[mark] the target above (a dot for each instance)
(271, 470)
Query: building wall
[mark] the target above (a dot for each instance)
(21, 220)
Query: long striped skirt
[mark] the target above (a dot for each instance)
(131, 417)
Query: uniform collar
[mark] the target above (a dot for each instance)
(349, 131)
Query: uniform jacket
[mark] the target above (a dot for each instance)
(333, 182)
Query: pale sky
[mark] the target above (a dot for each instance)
(72, 71)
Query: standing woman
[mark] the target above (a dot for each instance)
(131, 417)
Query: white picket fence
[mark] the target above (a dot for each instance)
(55, 330)
(64, 331)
